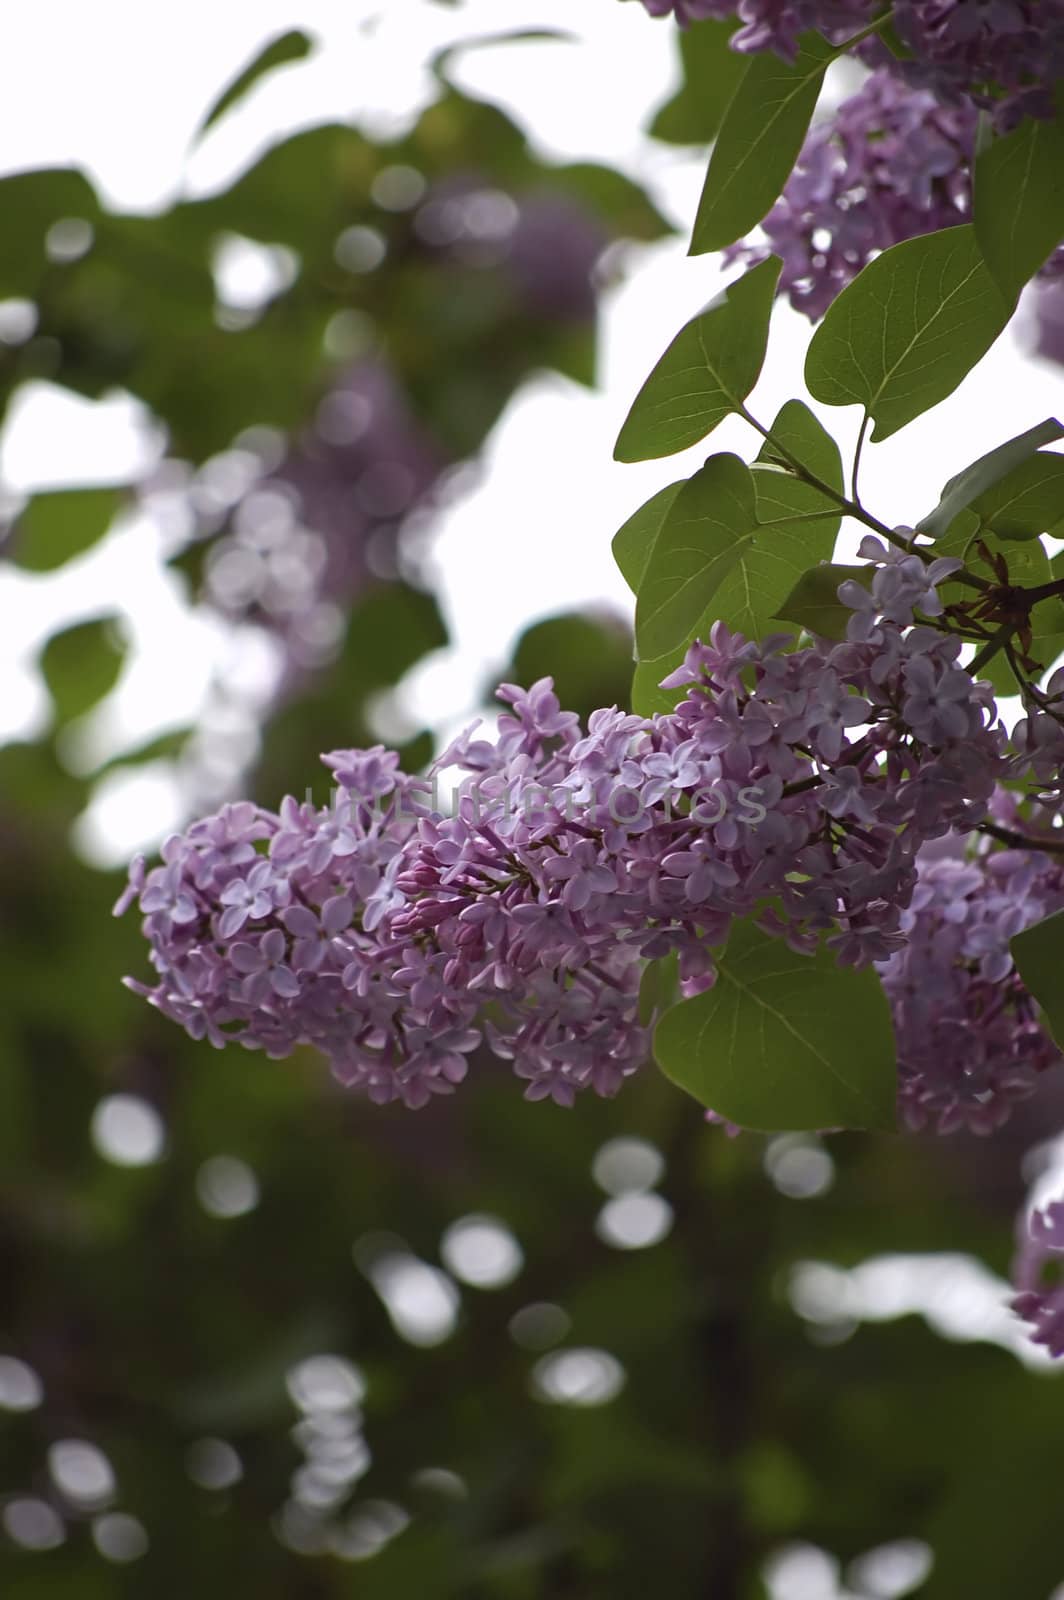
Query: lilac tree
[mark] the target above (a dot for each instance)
(815, 821)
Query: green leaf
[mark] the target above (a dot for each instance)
(81, 665)
(965, 486)
(441, 61)
(163, 747)
(1028, 563)
(1029, 501)
(648, 697)
(758, 144)
(734, 542)
(784, 1041)
(773, 556)
(635, 539)
(711, 74)
(623, 207)
(699, 542)
(814, 603)
(706, 373)
(908, 329)
(30, 203)
(1039, 956)
(1018, 205)
(1047, 626)
(785, 543)
(588, 656)
(291, 46)
(394, 626)
(804, 437)
(657, 988)
(55, 527)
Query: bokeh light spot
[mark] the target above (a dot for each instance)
(325, 1383)
(578, 1377)
(481, 1251)
(891, 1570)
(81, 1472)
(128, 1131)
(540, 1325)
(227, 1187)
(634, 1221)
(33, 1523)
(625, 1166)
(213, 1464)
(20, 1387)
(119, 1537)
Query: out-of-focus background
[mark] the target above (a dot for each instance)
(308, 403)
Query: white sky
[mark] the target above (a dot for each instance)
(119, 89)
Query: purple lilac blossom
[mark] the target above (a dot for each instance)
(1049, 317)
(396, 937)
(891, 163)
(1004, 55)
(772, 24)
(1038, 1301)
(554, 251)
(1038, 738)
(970, 1043)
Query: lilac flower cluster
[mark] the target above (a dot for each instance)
(1004, 55)
(317, 525)
(1039, 741)
(970, 1043)
(1039, 1302)
(772, 24)
(891, 163)
(544, 245)
(395, 938)
(1049, 318)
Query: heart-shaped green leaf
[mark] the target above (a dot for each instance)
(908, 329)
(784, 1041)
(706, 373)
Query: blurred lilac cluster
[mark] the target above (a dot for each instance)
(543, 245)
(395, 936)
(313, 528)
(1049, 313)
(1040, 1300)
